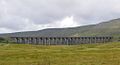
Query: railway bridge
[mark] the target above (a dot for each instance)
(61, 40)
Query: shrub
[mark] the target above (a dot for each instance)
(2, 39)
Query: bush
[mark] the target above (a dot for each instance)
(2, 39)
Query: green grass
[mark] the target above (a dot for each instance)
(85, 54)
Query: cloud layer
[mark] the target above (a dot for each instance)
(24, 15)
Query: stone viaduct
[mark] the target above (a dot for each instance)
(60, 40)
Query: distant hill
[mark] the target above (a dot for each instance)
(109, 28)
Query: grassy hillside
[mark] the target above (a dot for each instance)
(87, 54)
(109, 28)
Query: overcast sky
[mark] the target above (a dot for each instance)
(28, 15)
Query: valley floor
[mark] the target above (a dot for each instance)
(85, 54)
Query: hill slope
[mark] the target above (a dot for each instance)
(102, 29)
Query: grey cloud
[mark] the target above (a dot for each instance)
(13, 13)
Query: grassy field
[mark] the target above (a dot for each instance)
(85, 54)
